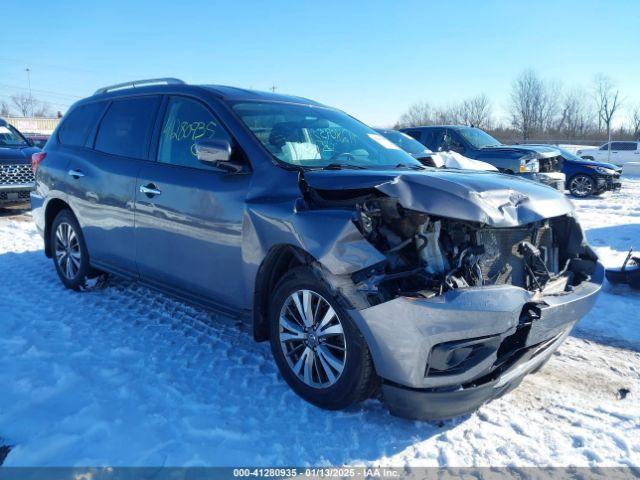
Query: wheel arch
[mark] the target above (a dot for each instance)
(54, 206)
(278, 261)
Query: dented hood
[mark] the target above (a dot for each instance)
(490, 198)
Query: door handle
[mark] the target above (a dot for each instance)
(75, 173)
(150, 190)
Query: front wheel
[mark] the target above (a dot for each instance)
(318, 349)
(70, 255)
(582, 186)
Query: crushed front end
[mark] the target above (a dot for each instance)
(460, 312)
(476, 281)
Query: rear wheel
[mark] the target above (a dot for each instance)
(318, 349)
(582, 186)
(70, 255)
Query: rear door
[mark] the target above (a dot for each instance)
(627, 152)
(102, 180)
(188, 214)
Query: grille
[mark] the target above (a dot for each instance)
(501, 263)
(16, 174)
(15, 196)
(552, 164)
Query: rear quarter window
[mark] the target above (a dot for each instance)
(76, 127)
(126, 127)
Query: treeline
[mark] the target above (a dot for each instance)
(24, 105)
(540, 110)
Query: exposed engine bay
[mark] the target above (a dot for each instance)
(427, 255)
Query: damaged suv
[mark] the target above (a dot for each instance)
(364, 269)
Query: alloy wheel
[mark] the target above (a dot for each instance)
(67, 251)
(581, 186)
(312, 339)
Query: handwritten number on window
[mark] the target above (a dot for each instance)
(182, 130)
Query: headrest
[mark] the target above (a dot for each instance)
(285, 132)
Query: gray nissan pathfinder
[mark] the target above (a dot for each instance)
(366, 271)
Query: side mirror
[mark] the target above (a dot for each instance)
(217, 153)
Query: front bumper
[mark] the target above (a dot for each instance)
(408, 336)
(552, 179)
(606, 183)
(15, 193)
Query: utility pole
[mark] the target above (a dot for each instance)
(28, 70)
(273, 88)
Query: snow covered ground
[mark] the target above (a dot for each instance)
(127, 376)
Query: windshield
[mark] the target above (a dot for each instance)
(10, 137)
(477, 138)
(404, 141)
(568, 155)
(317, 137)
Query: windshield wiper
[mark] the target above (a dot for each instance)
(341, 166)
(412, 167)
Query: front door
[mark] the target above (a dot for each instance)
(188, 214)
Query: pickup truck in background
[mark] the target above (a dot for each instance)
(621, 153)
(16, 176)
(540, 163)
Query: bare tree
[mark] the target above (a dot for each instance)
(575, 116)
(23, 103)
(635, 121)
(533, 103)
(447, 115)
(42, 109)
(5, 111)
(420, 113)
(607, 101)
(476, 111)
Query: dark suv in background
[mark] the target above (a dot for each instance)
(540, 163)
(16, 176)
(363, 268)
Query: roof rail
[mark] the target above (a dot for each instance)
(140, 83)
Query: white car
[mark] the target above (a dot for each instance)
(621, 153)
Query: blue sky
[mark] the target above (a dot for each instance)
(372, 59)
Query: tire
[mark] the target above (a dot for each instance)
(70, 255)
(582, 185)
(357, 379)
(588, 158)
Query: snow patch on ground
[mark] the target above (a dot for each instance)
(127, 376)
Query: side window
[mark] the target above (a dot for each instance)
(441, 140)
(126, 127)
(185, 122)
(79, 123)
(430, 139)
(454, 143)
(605, 147)
(414, 133)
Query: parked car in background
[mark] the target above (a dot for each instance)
(433, 159)
(16, 176)
(588, 177)
(363, 268)
(412, 147)
(541, 163)
(621, 153)
(37, 139)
